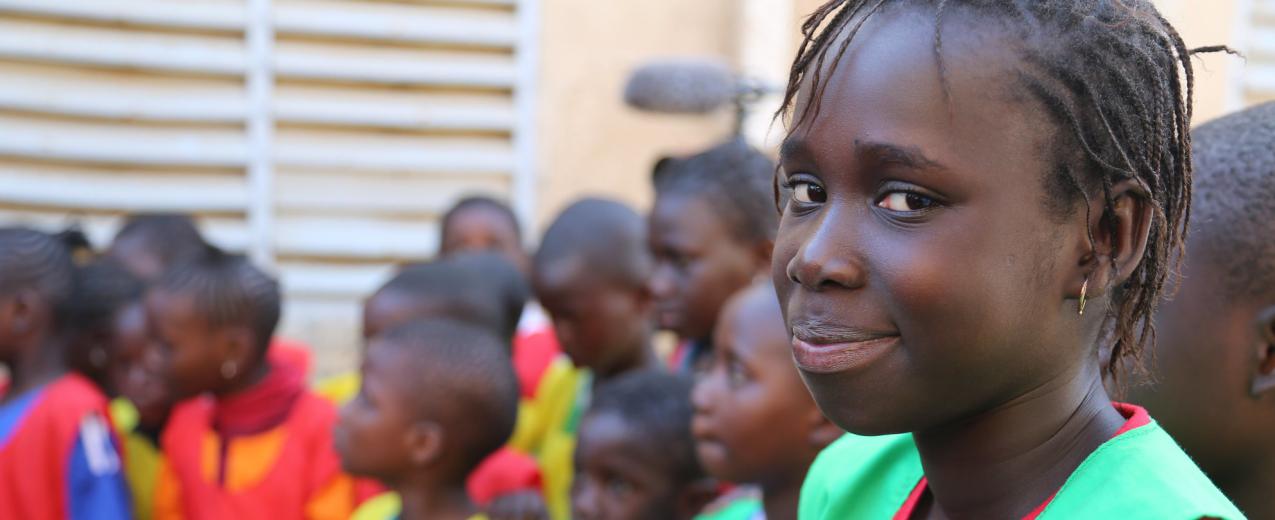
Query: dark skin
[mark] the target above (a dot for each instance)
(482, 228)
(698, 264)
(601, 324)
(387, 433)
(917, 259)
(193, 352)
(1213, 384)
(136, 368)
(621, 477)
(28, 346)
(754, 420)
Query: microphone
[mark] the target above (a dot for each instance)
(682, 86)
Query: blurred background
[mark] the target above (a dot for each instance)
(325, 137)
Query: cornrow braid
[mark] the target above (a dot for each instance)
(1115, 77)
(228, 290)
(32, 260)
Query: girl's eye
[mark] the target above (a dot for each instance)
(806, 192)
(906, 201)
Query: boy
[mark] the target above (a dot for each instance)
(252, 442)
(590, 274)
(149, 243)
(636, 458)
(755, 422)
(482, 224)
(57, 456)
(1214, 363)
(437, 399)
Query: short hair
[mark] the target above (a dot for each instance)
(1234, 211)
(656, 406)
(736, 179)
(454, 290)
(229, 291)
(464, 379)
(484, 202)
(502, 279)
(40, 262)
(102, 288)
(605, 235)
(171, 237)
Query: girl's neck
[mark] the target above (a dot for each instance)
(780, 501)
(426, 500)
(1006, 462)
(41, 365)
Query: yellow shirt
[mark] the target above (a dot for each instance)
(143, 462)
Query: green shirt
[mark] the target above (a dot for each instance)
(1141, 473)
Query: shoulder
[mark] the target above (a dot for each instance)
(861, 477)
(1142, 473)
(74, 391)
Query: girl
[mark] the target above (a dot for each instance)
(976, 193)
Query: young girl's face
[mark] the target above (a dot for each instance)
(919, 266)
(754, 419)
(698, 264)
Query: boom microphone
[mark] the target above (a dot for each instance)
(682, 86)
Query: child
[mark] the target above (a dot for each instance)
(437, 398)
(636, 458)
(252, 442)
(482, 224)
(477, 289)
(149, 243)
(712, 229)
(1214, 363)
(590, 274)
(755, 423)
(115, 350)
(58, 458)
(978, 196)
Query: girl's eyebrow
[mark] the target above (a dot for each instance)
(905, 156)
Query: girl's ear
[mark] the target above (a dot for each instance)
(425, 442)
(1118, 238)
(1264, 377)
(237, 346)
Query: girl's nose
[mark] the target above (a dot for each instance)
(828, 259)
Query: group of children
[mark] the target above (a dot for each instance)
(980, 205)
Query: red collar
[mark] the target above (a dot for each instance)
(1135, 417)
(262, 407)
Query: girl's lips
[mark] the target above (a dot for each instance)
(830, 358)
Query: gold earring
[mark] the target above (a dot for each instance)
(1084, 289)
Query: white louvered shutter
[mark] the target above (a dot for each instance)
(327, 151)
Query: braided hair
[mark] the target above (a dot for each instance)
(229, 291)
(40, 262)
(734, 178)
(1117, 80)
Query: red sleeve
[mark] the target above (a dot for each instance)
(533, 353)
(505, 472)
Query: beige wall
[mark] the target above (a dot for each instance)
(591, 144)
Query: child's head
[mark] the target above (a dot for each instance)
(213, 319)
(590, 275)
(482, 223)
(148, 244)
(635, 458)
(956, 178)
(480, 289)
(110, 318)
(711, 232)
(1214, 362)
(437, 398)
(36, 286)
(755, 422)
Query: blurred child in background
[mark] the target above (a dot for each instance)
(711, 231)
(114, 347)
(590, 274)
(755, 423)
(58, 457)
(252, 442)
(1213, 368)
(148, 244)
(437, 398)
(480, 290)
(636, 458)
